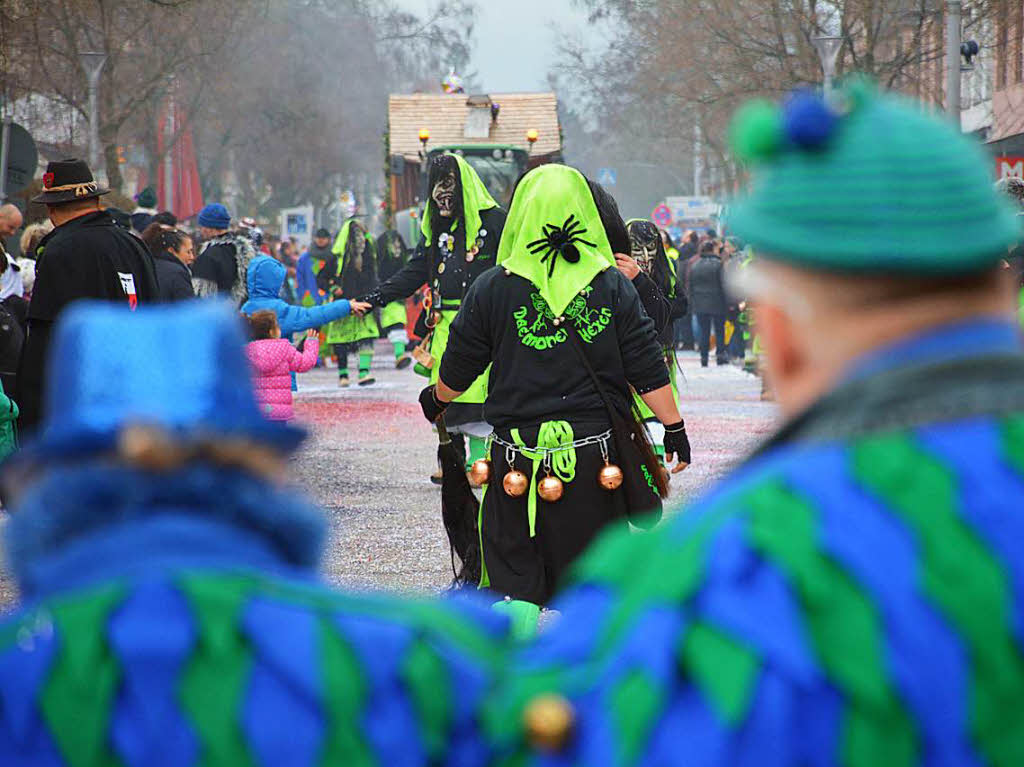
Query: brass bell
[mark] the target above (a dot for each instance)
(550, 489)
(515, 483)
(480, 471)
(610, 476)
(548, 721)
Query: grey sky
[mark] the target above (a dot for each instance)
(516, 40)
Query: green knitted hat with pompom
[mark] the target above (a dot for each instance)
(880, 187)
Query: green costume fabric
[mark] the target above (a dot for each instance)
(475, 394)
(553, 235)
(393, 314)
(8, 425)
(475, 198)
(885, 187)
(352, 328)
(522, 615)
(646, 414)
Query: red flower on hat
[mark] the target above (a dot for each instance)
(47, 180)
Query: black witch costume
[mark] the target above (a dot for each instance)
(559, 287)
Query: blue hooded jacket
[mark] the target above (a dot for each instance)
(264, 279)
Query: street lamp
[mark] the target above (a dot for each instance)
(531, 137)
(92, 63)
(827, 47)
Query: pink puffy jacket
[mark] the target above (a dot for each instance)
(272, 360)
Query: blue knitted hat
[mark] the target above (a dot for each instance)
(180, 368)
(215, 216)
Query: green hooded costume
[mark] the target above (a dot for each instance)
(353, 328)
(449, 270)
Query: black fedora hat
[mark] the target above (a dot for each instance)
(67, 181)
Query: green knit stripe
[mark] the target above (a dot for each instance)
(79, 694)
(723, 670)
(345, 696)
(635, 567)
(427, 680)
(962, 578)
(635, 703)
(213, 682)
(844, 627)
(1013, 441)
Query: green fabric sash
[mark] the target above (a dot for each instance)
(563, 463)
(544, 201)
(338, 248)
(475, 198)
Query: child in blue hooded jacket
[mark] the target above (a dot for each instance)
(265, 278)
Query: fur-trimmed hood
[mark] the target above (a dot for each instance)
(77, 512)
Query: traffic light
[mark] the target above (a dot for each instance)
(121, 160)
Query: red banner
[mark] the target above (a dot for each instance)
(1009, 166)
(187, 193)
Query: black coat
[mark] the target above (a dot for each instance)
(536, 374)
(457, 276)
(707, 289)
(87, 257)
(174, 280)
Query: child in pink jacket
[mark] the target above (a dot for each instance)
(273, 359)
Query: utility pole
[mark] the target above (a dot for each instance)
(698, 163)
(953, 60)
(5, 153)
(93, 64)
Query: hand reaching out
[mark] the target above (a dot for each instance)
(360, 307)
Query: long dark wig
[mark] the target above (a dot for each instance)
(357, 262)
(441, 166)
(611, 219)
(392, 253)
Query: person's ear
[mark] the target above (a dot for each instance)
(785, 358)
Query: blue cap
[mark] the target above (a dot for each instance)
(215, 216)
(179, 367)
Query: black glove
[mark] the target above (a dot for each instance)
(432, 407)
(676, 442)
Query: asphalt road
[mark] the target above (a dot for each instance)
(370, 454)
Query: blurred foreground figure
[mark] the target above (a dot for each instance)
(854, 593)
(172, 615)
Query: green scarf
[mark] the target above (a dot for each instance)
(341, 240)
(475, 198)
(544, 201)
